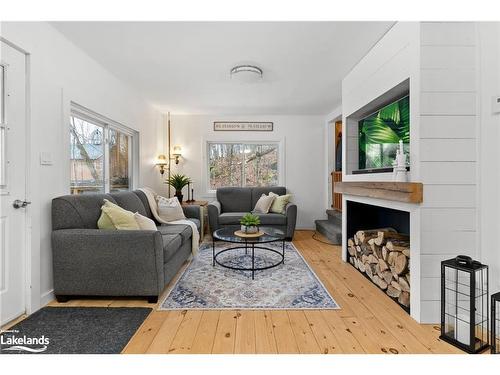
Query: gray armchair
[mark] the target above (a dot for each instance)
(233, 203)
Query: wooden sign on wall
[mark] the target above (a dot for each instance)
(243, 126)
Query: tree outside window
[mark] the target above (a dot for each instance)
(243, 164)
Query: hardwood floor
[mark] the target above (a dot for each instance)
(368, 321)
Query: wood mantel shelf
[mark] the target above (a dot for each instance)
(408, 192)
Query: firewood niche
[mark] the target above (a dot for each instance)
(383, 255)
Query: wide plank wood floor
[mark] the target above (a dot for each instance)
(368, 321)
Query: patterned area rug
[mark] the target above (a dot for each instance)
(292, 285)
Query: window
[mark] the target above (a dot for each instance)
(243, 164)
(119, 160)
(101, 154)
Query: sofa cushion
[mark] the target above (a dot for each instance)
(258, 191)
(77, 211)
(129, 201)
(140, 194)
(233, 218)
(272, 219)
(235, 199)
(183, 230)
(174, 236)
(171, 243)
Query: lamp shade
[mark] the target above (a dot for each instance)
(161, 160)
(177, 151)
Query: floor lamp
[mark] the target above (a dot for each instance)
(168, 152)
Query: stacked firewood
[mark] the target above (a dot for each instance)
(384, 256)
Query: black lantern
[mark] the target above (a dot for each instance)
(465, 304)
(495, 323)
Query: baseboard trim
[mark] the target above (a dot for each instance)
(47, 297)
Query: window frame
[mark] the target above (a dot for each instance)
(220, 139)
(107, 124)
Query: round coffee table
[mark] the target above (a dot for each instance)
(226, 234)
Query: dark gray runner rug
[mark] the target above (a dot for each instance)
(74, 330)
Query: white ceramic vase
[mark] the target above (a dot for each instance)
(251, 229)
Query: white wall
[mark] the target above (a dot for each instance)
(448, 152)
(489, 199)
(60, 72)
(303, 138)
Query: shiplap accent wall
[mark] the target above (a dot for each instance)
(448, 152)
(440, 61)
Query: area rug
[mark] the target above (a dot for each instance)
(74, 330)
(292, 285)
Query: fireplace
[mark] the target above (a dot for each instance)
(378, 246)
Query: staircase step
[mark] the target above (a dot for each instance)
(330, 230)
(334, 216)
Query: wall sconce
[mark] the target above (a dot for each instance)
(177, 153)
(162, 163)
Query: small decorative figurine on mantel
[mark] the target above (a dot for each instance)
(399, 165)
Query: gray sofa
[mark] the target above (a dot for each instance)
(88, 261)
(232, 203)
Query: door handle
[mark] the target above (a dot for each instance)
(20, 204)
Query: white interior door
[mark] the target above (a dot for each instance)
(12, 183)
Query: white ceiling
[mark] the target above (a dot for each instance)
(183, 67)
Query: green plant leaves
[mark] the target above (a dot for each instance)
(178, 181)
(377, 130)
(386, 127)
(250, 220)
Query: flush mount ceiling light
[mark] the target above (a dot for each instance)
(246, 73)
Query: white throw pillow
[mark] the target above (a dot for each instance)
(145, 223)
(263, 204)
(169, 209)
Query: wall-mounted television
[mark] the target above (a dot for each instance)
(379, 136)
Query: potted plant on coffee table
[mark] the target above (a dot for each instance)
(250, 223)
(178, 181)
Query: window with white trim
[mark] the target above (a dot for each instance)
(237, 164)
(102, 153)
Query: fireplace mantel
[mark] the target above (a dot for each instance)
(408, 192)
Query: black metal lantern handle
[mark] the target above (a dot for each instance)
(464, 260)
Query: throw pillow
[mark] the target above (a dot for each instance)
(121, 219)
(169, 209)
(263, 204)
(279, 203)
(105, 222)
(145, 223)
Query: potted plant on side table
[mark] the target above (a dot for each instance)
(178, 181)
(250, 223)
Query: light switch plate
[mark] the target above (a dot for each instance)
(496, 104)
(45, 158)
